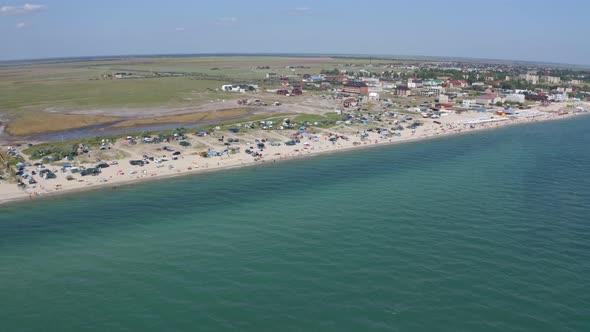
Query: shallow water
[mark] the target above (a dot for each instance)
(480, 232)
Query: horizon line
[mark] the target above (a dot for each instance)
(289, 54)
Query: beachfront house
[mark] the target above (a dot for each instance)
(488, 99)
(468, 103)
(515, 98)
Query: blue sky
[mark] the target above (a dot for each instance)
(553, 31)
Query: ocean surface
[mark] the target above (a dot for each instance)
(480, 232)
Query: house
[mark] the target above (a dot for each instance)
(387, 85)
(468, 103)
(402, 90)
(436, 90)
(558, 97)
(416, 82)
(373, 96)
(443, 99)
(356, 88)
(515, 98)
(335, 78)
(432, 82)
(371, 82)
(488, 99)
(351, 102)
(457, 84)
(296, 92)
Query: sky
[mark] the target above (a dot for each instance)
(531, 30)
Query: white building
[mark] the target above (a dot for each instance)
(529, 78)
(550, 79)
(371, 82)
(515, 98)
(433, 91)
(488, 99)
(559, 97)
(468, 103)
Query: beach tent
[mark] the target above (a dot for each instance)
(49, 175)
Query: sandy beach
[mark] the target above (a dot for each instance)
(187, 160)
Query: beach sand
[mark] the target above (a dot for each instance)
(190, 162)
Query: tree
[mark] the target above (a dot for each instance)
(499, 104)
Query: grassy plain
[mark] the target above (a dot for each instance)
(80, 85)
(35, 123)
(185, 118)
(41, 96)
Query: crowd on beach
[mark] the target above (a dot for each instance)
(222, 148)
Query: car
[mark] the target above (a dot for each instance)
(176, 153)
(102, 165)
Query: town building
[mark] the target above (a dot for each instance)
(457, 84)
(415, 83)
(374, 96)
(550, 79)
(488, 99)
(515, 98)
(371, 82)
(432, 91)
(468, 103)
(530, 78)
(356, 88)
(402, 90)
(558, 97)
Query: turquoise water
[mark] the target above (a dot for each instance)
(481, 232)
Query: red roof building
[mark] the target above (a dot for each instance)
(356, 88)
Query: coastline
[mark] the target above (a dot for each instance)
(20, 196)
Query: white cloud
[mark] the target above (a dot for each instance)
(180, 29)
(24, 9)
(228, 21)
(21, 25)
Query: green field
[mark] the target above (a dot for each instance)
(81, 85)
(36, 96)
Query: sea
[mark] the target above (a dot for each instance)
(487, 231)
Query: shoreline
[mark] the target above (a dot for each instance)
(21, 195)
